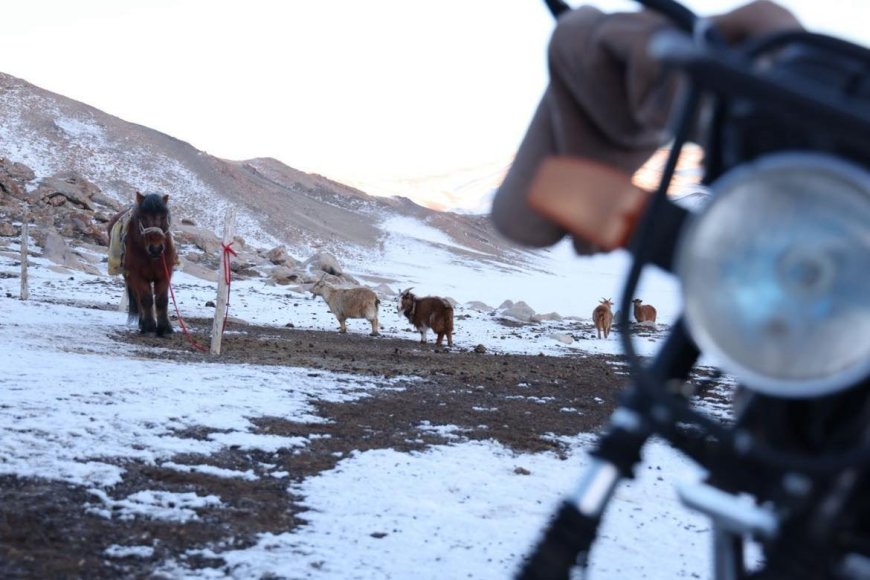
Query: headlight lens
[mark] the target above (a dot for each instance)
(776, 274)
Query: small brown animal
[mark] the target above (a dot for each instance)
(603, 317)
(428, 312)
(644, 312)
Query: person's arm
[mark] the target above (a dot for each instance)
(608, 101)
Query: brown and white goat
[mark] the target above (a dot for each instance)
(354, 302)
(602, 316)
(644, 312)
(428, 312)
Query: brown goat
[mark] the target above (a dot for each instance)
(603, 317)
(644, 312)
(428, 312)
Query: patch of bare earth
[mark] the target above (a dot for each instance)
(521, 401)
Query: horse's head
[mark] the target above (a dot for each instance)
(152, 222)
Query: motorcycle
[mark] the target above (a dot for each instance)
(775, 280)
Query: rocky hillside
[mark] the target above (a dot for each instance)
(67, 167)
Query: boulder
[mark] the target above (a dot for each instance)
(283, 275)
(384, 290)
(563, 338)
(323, 262)
(68, 188)
(549, 316)
(280, 257)
(478, 306)
(519, 311)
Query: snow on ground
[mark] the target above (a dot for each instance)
(72, 397)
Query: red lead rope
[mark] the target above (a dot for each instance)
(190, 339)
(227, 276)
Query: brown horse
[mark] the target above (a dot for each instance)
(147, 260)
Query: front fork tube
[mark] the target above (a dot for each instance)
(572, 531)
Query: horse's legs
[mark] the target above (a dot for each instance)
(161, 295)
(142, 288)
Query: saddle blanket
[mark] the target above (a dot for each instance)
(116, 243)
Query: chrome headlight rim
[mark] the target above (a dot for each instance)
(699, 325)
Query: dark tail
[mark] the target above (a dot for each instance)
(132, 306)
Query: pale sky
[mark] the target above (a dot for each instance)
(366, 89)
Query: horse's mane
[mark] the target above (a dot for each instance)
(153, 203)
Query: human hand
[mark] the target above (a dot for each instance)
(755, 19)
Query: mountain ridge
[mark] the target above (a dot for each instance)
(276, 203)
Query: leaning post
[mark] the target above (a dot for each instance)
(223, 285)
(25, 240)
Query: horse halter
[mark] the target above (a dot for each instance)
(156, 230)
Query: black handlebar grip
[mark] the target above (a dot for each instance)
(565, 545)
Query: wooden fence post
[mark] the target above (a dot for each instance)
(223, 288)
(25, 241)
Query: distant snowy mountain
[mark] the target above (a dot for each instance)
(380, 240)
(467, 190)
(276, 204)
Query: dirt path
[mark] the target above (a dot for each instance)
(46, 532)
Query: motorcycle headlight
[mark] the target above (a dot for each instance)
(776, 274)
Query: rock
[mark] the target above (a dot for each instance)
(279, 256)
(480, 349)
(68, 187)
(323, 262)
(563, 338)
(384, 290)
(519, 311)
(204, 239)
(13, 178)
(283, 275)
(55, 248)
(550, 316)
(18, 172)
(198, 270)
(238, 244)
(80, 225)
(478, 306)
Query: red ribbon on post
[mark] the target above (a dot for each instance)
(227, 277)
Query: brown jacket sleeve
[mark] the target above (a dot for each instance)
(607, 101)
